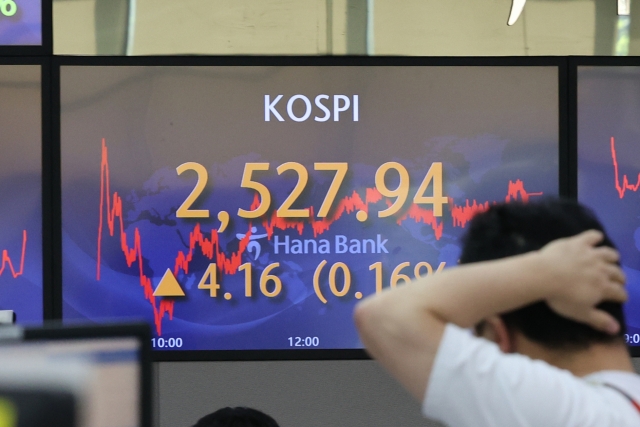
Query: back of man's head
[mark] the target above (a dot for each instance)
(236, 417)
(516, 228)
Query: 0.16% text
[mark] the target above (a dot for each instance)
(338, 280)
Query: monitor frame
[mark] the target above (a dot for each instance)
(46, 187)
(57, 332)
(44, 49)
(564, 180)
(573, 64)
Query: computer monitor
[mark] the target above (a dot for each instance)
(21, 207)
(248, 208)
(118, 393)
(25, 27)
(608, 104)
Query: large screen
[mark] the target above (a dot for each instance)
(250, 208)
(20, 23)
(609, 166)
(21, 191)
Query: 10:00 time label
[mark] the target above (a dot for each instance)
(166, 342)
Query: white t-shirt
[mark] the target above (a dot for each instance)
(474, 384)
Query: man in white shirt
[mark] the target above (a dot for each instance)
(543, 290)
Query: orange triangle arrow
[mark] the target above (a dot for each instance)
(168, 286)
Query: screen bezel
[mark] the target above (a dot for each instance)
(46, 91)
(141, 332)
(574, 64)
(44, 49)
(564, 179)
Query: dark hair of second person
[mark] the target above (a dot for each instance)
(236, 417)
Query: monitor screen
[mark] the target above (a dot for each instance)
(609, 166)
(250, 208)
(20, 23)
(116, 357)
(20, 191)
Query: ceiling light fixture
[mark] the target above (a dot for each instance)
(624, 7)
(516, 10)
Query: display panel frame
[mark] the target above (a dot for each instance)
(44, 49)
(46, 167)
(574, 63)
(564, 179)
(56, 332)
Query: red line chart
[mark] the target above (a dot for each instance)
(6, 260)
(132, 254)
(624, 186)
(462, 214)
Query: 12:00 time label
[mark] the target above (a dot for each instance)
(304, 341)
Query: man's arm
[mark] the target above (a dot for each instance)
(402, 328)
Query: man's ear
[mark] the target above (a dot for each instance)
(497, 331)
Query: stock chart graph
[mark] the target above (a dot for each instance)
(230, 264)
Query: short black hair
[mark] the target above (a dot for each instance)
(515, 228)
(236, 417)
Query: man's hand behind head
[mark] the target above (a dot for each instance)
(585, 275)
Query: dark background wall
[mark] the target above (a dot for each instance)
(355, 393)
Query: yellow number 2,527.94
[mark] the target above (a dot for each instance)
(400, 193)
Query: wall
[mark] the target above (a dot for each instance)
(476, 28)
(318, 27)
(296, 393)
(249, 26)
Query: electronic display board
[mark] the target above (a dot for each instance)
(21, 23)
(251, 207)
(21, 191)
(609, 166)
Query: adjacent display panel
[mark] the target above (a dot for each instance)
(609, 166)
(118, 357)
(21, 191)
(250, 208)
(21, 23)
